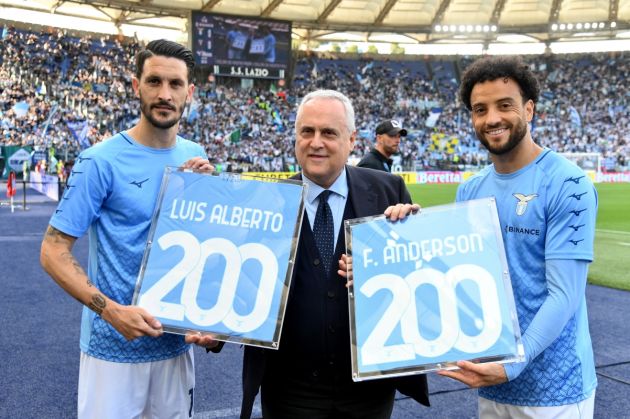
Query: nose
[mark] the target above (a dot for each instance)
(165, 92)
(493, 116)
(316, 141)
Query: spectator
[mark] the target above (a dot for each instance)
(388, 135)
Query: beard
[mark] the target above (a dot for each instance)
(146, 109)
(389, 149)
(517, 134)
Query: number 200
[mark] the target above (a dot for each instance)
(403, 309)
(190, 270)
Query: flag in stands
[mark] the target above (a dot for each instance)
(11, 185)
(367, 67)
(42, 90)
(235, 136)
(192, 111)
(21, 109)
(433, 117)
(575, 117)
(79, 131)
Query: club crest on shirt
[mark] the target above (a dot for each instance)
(523, 200)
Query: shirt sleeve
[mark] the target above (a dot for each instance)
(571, 221)
(81, 202)
(566, 281)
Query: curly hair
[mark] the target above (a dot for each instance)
(496, 67)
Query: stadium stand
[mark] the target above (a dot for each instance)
(75, 91)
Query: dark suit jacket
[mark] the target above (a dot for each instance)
(375, 160)
(315, 338)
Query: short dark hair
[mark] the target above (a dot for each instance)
(496, 67)
(165, 48)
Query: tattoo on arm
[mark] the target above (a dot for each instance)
(98, 303)
(55, 235)
(77, 267)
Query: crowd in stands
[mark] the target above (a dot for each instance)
(63, 91)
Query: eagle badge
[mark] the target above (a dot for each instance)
(523, 200)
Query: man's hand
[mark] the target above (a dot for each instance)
(199, 164)
(205, 341)
(131, 321)
(477, 375)
(345, 269)
(400, 211)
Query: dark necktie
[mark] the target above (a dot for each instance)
(323, 230)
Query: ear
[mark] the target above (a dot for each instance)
(529, 110)
(352, 139)
(191, 90)
(135, 84)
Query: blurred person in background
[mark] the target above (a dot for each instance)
(388, 136)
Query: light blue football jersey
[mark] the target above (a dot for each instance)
(547, 211)
(112, 192)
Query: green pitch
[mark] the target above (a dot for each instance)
(611, 267)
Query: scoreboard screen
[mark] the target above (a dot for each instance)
(241, 47)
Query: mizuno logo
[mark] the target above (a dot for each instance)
(74, 172)
(575, 180)
(521, 206)
(577, 227)
(577, 212)
(58, 211)
(575, 242)
(138, 183)
(577, 196)
(83, 158)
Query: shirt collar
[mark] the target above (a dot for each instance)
(340, 186)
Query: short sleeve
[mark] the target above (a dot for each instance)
(87, 188)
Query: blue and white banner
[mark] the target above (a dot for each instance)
(429, 291)
(44, 184)
(220, 255)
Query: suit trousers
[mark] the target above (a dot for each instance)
(298, 398)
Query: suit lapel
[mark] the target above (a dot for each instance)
(364, 203)
(364, 199)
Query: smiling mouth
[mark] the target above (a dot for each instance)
(497, 131)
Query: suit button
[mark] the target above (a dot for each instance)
(331, 329)
(316, 262)
(331, 294)
(315, 373)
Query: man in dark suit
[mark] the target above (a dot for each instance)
(388, 136)
(310, 376)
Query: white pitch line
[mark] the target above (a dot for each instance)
(599, 230)
(226, 413)
(624, 244)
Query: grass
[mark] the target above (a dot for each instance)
(611, 267)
